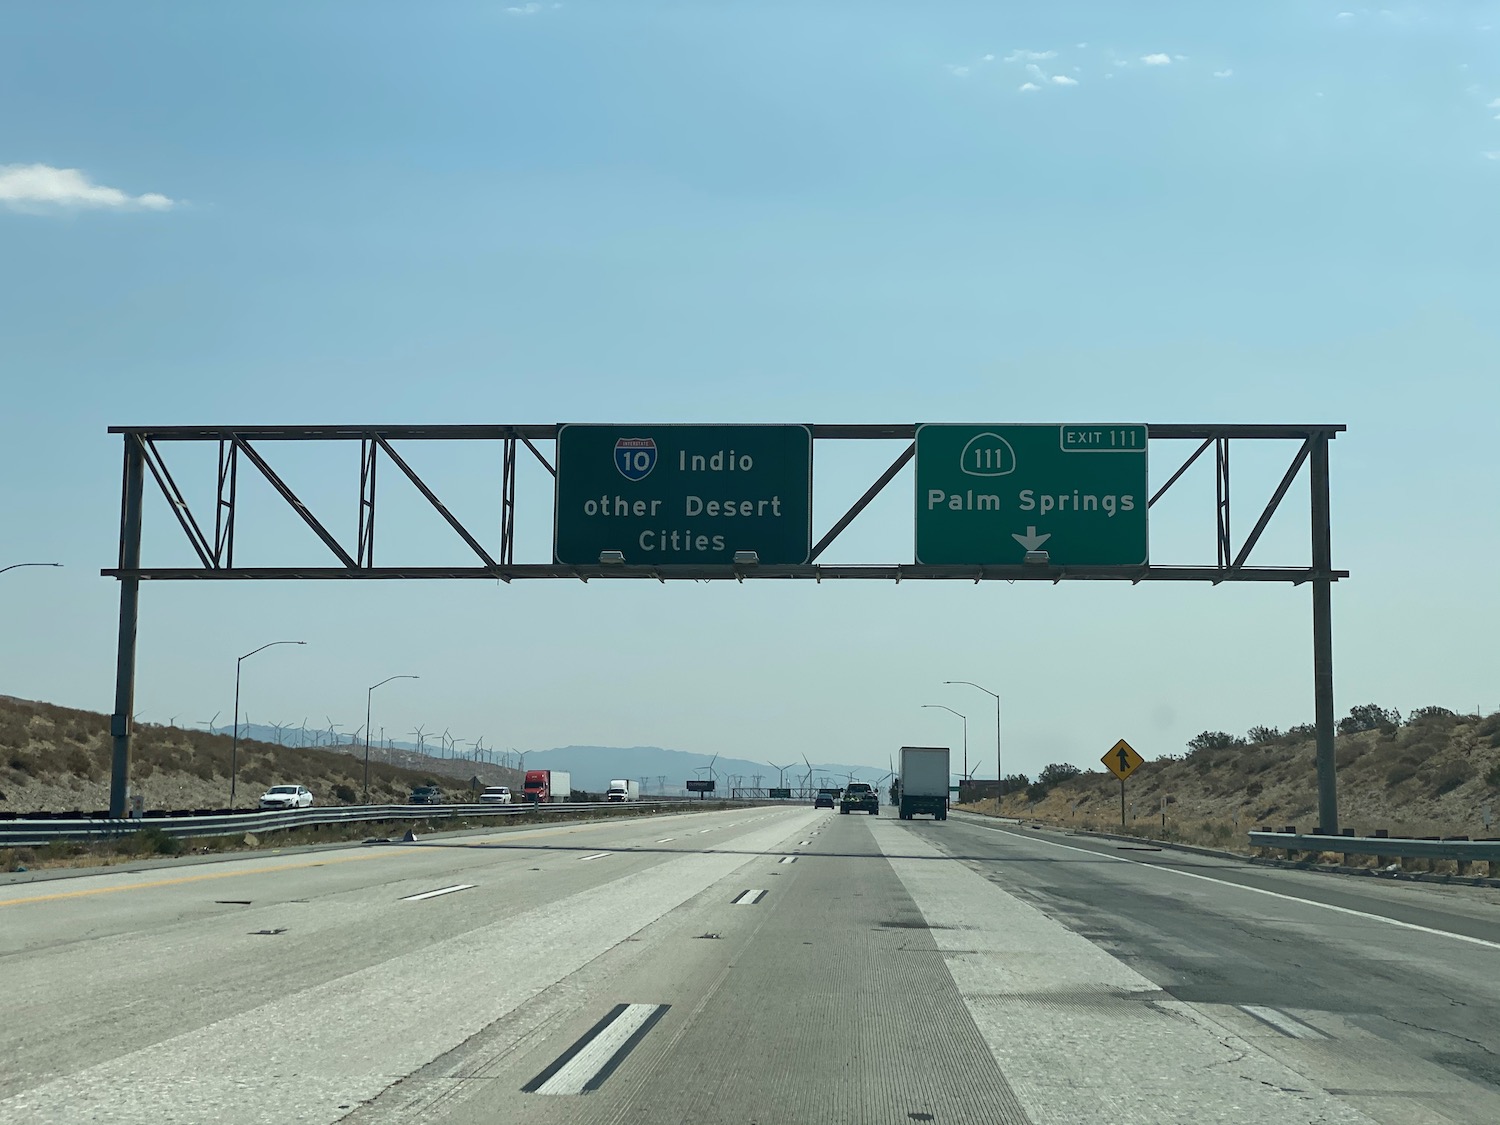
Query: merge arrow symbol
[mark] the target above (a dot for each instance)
(1031, 540)
(1124, 759)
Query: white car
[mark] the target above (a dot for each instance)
(495, 795)
(286, 797)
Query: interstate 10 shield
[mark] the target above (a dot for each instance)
(635, 457)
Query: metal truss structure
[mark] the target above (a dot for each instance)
(490, 553)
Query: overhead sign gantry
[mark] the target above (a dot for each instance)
(1005, 502)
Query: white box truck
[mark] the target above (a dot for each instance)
(623, 790)
(924, 781)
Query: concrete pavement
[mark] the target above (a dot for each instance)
(765, 965)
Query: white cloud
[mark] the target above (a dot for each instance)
(1020, 55)
(1157, 60)
(1492, 156)
(1036, 71)
(1223, 73)
(1494, 104)
(989, 58)
(1080, 46)
(958, 71)
(34, 186)
(1346, 15)
(527, 9)
(1027, 87)
(1063, 80)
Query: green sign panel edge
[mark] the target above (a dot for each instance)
(557, 497)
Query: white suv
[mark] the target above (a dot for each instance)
(286, 797)
(495, 795)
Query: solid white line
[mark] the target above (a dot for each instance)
(596, 855)
(749, 898)
(582, 1067)
(788, 859)
(1283, 1022)
(1258, 890)
(443, 891)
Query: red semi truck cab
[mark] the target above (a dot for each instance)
(543, 786)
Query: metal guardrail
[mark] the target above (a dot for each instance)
(1384, 848)
(35, 833)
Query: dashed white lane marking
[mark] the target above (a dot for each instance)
(586, 1064)
(705, 832)
(596, 855)
(667, 840)
(749, 898)
(803, 843)
(439, 891)
(788, 859)
(1288, 1025)
(1259, 891)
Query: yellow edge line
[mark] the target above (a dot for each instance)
(197, 878)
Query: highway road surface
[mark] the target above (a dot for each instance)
(775, 966)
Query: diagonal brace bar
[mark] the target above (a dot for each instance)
(545, 463)
(864, 501)
(154, 461)
(1273, 504)
(435, 502)
(1186, 465)
(297, 505)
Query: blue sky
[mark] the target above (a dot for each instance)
(621, 211)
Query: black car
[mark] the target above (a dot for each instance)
(827, 799)
(426, 795)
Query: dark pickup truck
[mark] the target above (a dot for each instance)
(860, 797)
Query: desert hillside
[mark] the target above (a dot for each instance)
(1430, 774)
(54, 759)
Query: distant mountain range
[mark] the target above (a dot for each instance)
(594, 767)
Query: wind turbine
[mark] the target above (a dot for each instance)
(807, 785)
(333, 737)
(210, 724)
(278, 728)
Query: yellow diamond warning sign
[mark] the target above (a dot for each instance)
(1122, 760)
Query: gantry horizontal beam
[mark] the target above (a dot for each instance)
(886, 573)
(548, 431)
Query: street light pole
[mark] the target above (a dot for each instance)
(369, 697)
(965, 718)
(999, 775)
(234, 745)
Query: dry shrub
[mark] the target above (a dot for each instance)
(1401, 772)
(1450, 777)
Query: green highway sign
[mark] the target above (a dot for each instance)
(676, 495)
(780, 794)
(987, 495)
